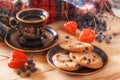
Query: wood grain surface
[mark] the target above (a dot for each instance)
(46, 72)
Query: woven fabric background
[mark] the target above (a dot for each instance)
(55, 8)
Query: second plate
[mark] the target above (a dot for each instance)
(81, 71)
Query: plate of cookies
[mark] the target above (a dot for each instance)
(75, 57)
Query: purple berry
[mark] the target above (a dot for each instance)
(29, 67)
(30, 61)
(18, 72)
(115, 33)
(33, 70)
(33, 64)
(28, 74)
(23, 69)
(109, 40)
(67, 37)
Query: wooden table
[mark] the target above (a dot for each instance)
(46, 72)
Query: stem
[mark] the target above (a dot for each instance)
(110, 10)
(94, 24)
(5, 56)
(66, 16)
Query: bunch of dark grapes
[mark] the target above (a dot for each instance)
(88, 20)
(95, 22)
(27, 69)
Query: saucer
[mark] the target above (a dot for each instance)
(50, 38)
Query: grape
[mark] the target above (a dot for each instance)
(23, 69)
(115, 33)
(97, 37)
(110, 37)
(100, 22)
(28, 74)
(33, 64)
(100, 37)
(67, 37)
(91, 26)
(33, 70)
(84, 24)
(81, 28)
(29, 67)
(30, 62)
(108, 40)
(101, 33)
(18, 72)
(97, 30)
(104, 26)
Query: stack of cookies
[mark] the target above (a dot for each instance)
(78, 54)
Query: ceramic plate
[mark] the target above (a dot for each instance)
(83, 70)
(49, 40)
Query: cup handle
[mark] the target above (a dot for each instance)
(14, 23)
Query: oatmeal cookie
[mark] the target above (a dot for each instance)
(77, 46)
(89, 60)
(63, 61)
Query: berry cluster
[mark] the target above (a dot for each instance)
(27, 69)
(100, 24)
(101, 37)
(88, 20)
(95, 22)
(18, 60)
